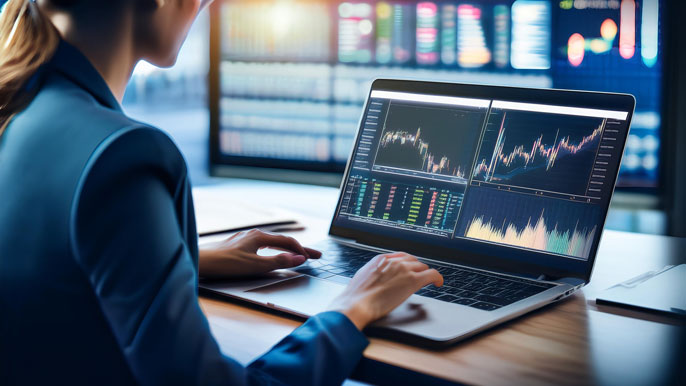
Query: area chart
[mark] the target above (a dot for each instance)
(538, 223)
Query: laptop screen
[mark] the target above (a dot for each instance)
(501, 176)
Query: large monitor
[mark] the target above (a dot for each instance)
(289, 77)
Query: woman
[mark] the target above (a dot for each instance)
(98, 251)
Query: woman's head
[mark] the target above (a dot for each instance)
(151, 30)
(157, 28)
(161, 27)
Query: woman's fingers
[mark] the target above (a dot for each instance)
(429, 276)
(283, 260)
(263, 239)
(400, 255)
(416, 266)
(313, 253)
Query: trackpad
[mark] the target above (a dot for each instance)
(304, 295)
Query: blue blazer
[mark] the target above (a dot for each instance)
(99, 255)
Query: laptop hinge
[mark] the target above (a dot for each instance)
(573, 281)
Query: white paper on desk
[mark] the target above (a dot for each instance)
(216, 212)
(664, 290)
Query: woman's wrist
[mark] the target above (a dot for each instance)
(359, 318)
(209, 262)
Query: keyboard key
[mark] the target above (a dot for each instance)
(454, 280)
(506, 293)
(336, 270)
(494, 300)
(468, 294)
(491, 291)
(422, 291)
(452, 290)
(447, 298)
(485, 306)
(464, 301)
(515, 285)
(433, 294)
(321, 274)
(473, 287)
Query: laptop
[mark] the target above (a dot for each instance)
(503, 190)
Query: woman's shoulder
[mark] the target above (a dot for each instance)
(67, 133)
(138, 148)
(64, 107)
(67, 120)
(65, 145)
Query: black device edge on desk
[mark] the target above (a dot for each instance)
(493, 257)
(676, 314)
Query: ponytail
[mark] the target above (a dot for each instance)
(27, 41)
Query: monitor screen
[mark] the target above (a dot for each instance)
(460, 171)
(292, 75)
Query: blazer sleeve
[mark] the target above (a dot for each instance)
(129, 236)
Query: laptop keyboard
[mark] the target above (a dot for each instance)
(482, 290)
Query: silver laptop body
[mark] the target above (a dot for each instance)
(514, 195)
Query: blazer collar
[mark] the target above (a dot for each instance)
(69, 61)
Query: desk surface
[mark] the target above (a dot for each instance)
(571, 342)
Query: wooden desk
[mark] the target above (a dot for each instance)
(572, 342)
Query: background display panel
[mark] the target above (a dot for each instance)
(294, 73)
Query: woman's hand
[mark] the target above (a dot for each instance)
(237, 256)
(382, 285)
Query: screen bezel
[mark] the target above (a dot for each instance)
(557, 267)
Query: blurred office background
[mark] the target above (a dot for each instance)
(288, 79)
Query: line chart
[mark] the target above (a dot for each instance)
(539, 151)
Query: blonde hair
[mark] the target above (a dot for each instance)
(27, 41)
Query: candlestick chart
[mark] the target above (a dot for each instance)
(524, 221)
(429, 162)
(540, 151)
(429, 140)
